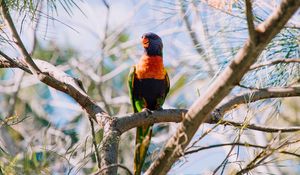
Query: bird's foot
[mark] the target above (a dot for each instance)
(160, 109)
(147, 111)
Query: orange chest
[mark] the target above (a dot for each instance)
(150, 67)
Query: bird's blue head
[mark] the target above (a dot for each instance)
(152, 44)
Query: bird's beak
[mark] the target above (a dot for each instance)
(145, 42)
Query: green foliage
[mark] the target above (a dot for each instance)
(2, 73)
(14, 134)
(180, 83)
(54, 54)
(32, 6)
(99, 136)
(28, 164)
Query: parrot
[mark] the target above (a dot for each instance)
(148, 86)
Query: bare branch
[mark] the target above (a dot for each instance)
(200, 110)
(260, 127)
(7, 62)
(237, 144)
(223, 144)
(251, 26)
(290, 153)
(9, 22)
(130, 121)
(258, 94)
(106, 4)
(274, 62)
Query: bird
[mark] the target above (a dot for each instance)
(148, 86)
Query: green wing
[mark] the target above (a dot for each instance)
(130, 87)
(137, 104)
(167, 80)
(161, 100)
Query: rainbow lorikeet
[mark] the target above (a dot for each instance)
(149, 85)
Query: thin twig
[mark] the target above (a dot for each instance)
(224, 162)
(274, 62)
(272, 147)
(203, 135)
(247, 87)
(198, 46)
(115, 165)
(8, 120)
(290, 153)
(101, 64)
(245, 144)
(224, 144)
(95, 143)
(260, 127)
(36, 26)
(260, 94)
(13, 100)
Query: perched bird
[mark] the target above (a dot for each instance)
(148, 84)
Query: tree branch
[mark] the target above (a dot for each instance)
(134, 120)
(130, 121)
(223, 144)
(7, 62)
(274, 62)
(251, 26)
(260, 127)
(200, 110)
(256, 95)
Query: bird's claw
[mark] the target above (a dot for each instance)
(147, 111)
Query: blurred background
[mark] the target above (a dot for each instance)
(44, 131)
